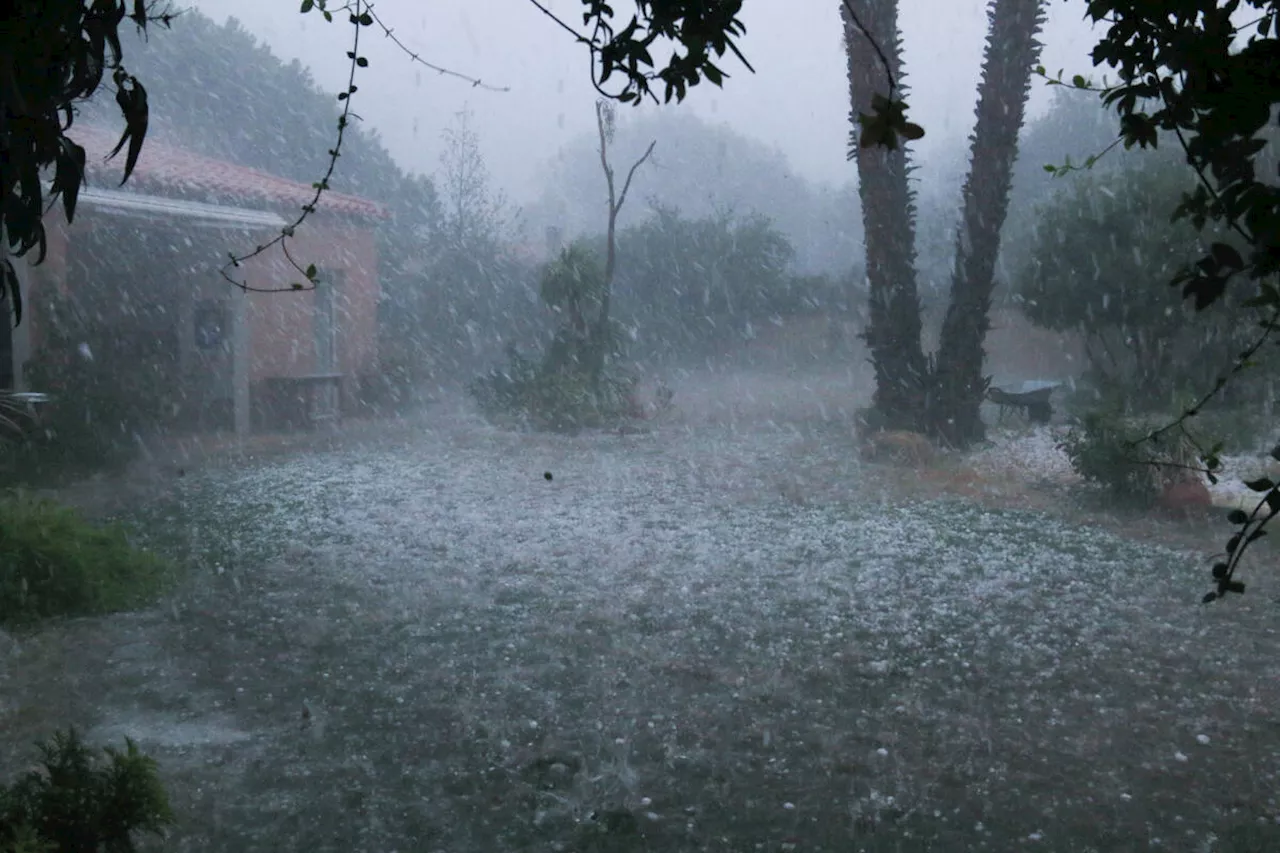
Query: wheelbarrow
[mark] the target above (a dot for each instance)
(1032, 400)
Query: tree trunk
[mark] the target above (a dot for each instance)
(600, 339)
(1012, 50)
(893, 333)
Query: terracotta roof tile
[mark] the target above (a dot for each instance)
(173, 168)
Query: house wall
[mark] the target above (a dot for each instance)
(52, 272)
(281, 339)
(282, 323)
(281, 342)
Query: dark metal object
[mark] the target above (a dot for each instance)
(1034, 404)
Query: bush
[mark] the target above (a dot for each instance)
(74, 804)
(1239, 429)
(1099, 449)
(54, 563)
(530, 393)
(1099, 265)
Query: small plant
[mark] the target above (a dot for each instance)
(74, 803)
(54, 563)
(1101, 447)
(532, 393)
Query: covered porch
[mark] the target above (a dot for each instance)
(139, 273)
(145, 272)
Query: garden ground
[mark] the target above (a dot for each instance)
(723, 633)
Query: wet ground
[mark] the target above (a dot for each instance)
(724, 633)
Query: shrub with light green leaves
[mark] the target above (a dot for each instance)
(55, 563)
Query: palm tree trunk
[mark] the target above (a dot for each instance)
(1012, 49)
(888, 214)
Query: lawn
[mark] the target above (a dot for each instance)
(719, 636)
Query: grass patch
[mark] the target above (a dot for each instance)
(55, 563)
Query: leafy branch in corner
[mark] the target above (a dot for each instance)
(703, 29)
(1185, 69)
(49, 62)
(1252, 528)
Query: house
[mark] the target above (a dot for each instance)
(145, 261)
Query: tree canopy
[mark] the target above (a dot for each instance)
(1099, 262)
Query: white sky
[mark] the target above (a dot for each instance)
(796, 100)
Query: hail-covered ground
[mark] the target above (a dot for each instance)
(721, 633)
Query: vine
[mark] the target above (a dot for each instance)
(360, 14)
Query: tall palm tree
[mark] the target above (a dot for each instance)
(872, 41)
(938, 395)
(1011, 52)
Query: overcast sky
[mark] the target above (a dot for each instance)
(797, 100)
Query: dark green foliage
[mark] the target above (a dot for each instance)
(704, 30)
(561, 391)
(1099, 266)
(1106, 449)
(535, 394)
(76, 803)
(685, 284)
(58, 52)
(54, 563)
(1186, 68)
(506, 389)
(573, 286)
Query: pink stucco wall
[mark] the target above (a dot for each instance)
(281, 324)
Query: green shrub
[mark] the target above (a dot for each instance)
(505, 390)
(1099, 447)
(1098, 266)
(54, 563)
(75, 804)
(526, 392)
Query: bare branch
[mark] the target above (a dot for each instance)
(604, 155)
(631, 174)
(475, 82)
(357, 8)
(577, 36)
